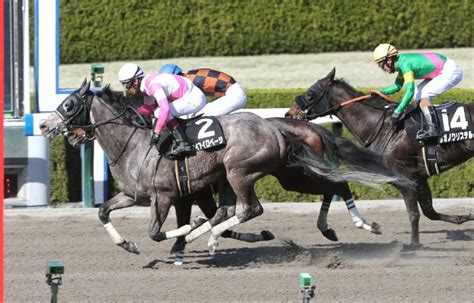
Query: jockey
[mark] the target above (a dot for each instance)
(167, 96)
(439, 73)
(229, 95)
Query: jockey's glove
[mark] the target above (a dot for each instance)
(394, 120)
(155, 138)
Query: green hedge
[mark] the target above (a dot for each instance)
(457, 182)
(104, 31)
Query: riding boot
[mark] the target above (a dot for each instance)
(182, 148)
(431, 130)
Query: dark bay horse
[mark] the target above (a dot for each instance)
(367, 118)
(255, 148)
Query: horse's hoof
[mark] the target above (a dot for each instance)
(212, 247)
(330, 234)
(267, 235)
(131, 247)
(376, 229)
(178, 259)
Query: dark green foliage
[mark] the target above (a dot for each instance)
(457, 182)
(65, 165)
(104, 31)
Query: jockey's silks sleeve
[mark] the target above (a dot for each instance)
(162, 89)
(414, 66)
(164, 110)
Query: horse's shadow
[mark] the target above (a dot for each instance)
(332, 255)
(452, 235)
(327, 256)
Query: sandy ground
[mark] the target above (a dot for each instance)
(276, 71)
(361, 267)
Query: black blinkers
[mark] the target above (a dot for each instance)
(315, 101)
(74, 109)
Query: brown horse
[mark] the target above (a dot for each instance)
(367, 118)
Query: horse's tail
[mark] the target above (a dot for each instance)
(341, 161)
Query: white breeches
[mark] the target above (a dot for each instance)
(190, 103)
(235, 98)
(449, 77)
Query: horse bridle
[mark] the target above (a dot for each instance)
(74, 113)
(307, 101)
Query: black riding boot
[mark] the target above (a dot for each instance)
(431, 129)
(182, 147)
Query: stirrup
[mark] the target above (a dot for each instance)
(424, 135)
(183, 150)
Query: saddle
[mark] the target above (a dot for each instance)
(454, 122)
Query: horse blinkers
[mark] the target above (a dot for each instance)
(74, 117)
(306, 103)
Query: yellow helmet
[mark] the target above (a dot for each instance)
(384, 51)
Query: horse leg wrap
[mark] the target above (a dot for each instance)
(113, 233)
(220, 228)
(198, 232)
(183, 230)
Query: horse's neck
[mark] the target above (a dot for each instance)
(117, 140)
(360, 119)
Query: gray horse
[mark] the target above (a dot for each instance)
(255, 148)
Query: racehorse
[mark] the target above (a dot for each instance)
(293, 179)
(254, 148)
(367, 118)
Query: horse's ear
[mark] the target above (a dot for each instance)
(331, 74)
(84, 87)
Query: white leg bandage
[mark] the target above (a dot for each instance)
(198, 232)
(356, 216)
(220, 228)
(183, 230)
(113, 233)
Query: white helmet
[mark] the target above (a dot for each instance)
(130, 71)
(384, 51)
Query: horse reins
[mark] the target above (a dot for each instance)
(379, 124)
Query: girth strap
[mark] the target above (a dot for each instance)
(182, 177)
(430, 159)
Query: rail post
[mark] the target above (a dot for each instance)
(306, 287)
(54, 272)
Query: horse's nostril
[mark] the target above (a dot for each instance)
(287, 115)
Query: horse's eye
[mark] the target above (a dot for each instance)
(309, 95)
(68, 105)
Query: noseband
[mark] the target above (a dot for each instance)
(313, 98)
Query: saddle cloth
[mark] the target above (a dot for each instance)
(455, 122)
(204, 133)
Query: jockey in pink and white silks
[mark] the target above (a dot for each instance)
(167, 96)
(439, 73)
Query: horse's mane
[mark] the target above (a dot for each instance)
(120, 103)
(116, 98)
(374, 101)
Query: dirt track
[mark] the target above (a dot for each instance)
(360, 267)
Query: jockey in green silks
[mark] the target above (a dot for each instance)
(439, 73)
